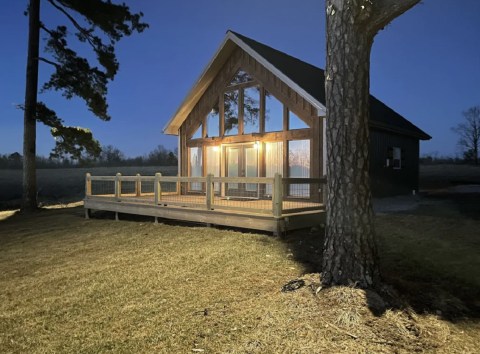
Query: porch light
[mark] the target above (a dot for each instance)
(216, 148)
(256, 145)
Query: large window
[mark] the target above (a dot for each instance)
(251, 110)
(195, 157)
(273, 113)
(213, 122)
(213, 163)
(273, 161)
(299, 166)
(231, 112)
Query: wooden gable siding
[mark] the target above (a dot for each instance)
(291, 99)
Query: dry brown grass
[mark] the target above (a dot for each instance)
(74, 285)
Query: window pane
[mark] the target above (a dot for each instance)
(251, 162)
(232, 166)
(240, 77)
(273, 113)
(299, 166)
(273, 161)
(213, 122)
(251, 110)
(213, 163)
(231, 112)
(195, 167)
(198, 133)
(397, 158)
(294, 122)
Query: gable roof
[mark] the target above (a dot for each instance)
(306, 79)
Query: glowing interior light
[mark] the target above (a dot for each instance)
(216, 148)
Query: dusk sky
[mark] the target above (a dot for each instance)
(425, 65)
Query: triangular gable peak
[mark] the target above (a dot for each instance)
(233, 55)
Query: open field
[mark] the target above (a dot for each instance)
(64, 185)
(74, 285)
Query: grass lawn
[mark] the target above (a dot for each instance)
(73, 285)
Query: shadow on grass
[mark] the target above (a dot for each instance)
(445, 286)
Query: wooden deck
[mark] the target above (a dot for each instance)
(274, 213)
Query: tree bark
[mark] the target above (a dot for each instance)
(29, 199)
(349, 251)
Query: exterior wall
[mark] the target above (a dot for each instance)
(268, 81)
(387, 181)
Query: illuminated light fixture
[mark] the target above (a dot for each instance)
(216, 148)
(256, 145)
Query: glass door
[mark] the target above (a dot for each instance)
(241, 161)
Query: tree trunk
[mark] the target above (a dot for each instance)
(349, 252)
(29, 199)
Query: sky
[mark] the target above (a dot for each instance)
(425, 65)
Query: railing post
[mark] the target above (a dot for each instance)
(209, 191)
(277, 198)
(118, 186)
(157, 188)
(88, 185)
(324, 193)
(138, 185)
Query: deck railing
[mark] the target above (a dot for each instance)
(275, 196)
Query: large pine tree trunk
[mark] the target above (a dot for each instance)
(29, 200)
(349, 252)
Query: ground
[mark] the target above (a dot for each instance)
(74, 285)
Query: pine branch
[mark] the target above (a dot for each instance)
(82, 30)
(49, 62)
(385, 11)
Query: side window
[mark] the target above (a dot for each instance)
(395, 158)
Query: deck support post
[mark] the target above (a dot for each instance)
(157, 188)
(88, 185)
(156, 221)
(116, 216)
(138, 185)
(209, 191)
(118, 186)
(87, 214)
(277, 198)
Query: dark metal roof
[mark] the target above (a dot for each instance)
(312, 79)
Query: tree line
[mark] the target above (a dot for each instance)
(109, 156)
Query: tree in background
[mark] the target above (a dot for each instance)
(469, 134)
(349, 255)
(111, 155)
(97, 23)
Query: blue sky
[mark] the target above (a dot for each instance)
(425, 65)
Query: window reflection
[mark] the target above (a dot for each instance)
(213, 122)
(273, 113)
(195, 167)
(240, 78)
(299, 166)
(294, 122)
(251, 110)
(231, 112)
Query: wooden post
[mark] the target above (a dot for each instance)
(277, 199)
(138, 185)
(157, 188)
(87, 213)
(324, 193)
(88, 185)
(118, 186)
(209, 191)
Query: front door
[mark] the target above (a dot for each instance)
(241, 161)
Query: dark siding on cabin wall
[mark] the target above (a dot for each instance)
(386, 181)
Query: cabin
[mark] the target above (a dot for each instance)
(252, 154)
(256, 111)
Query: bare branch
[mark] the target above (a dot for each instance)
(385, 11)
